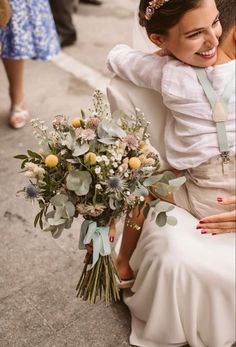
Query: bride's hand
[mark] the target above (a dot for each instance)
(222, 222)
(112, 233)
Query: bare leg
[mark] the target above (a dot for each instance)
(19, 114)
(15, 74)
(129, 241)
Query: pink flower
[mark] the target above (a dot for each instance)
(131, 142)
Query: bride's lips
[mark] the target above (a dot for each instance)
(208, 54)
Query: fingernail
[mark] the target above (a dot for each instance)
(219, 199)
(111, 239)
(213, 234)
(199, 227)
(201, 222)
(203, 232)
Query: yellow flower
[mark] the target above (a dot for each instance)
(134, 163)
(90, 158)
(51, 160)
(76, 122)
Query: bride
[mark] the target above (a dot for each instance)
(184, 291)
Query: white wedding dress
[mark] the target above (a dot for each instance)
(184, 290)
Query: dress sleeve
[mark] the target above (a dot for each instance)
(144, 70)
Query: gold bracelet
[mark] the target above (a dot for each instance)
(132, 225)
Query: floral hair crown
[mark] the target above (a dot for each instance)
(152, 7)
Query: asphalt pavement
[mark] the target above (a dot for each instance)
(38, 274)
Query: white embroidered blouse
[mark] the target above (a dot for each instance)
(190, 133)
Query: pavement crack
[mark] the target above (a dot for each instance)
(11, 217)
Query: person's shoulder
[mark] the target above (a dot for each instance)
(175, 67)
(177, 77)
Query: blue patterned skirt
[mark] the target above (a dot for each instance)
(31, 32)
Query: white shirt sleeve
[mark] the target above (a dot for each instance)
(144, 70)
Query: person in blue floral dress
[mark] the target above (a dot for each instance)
(30, 34)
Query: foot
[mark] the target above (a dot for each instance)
(91, 2)
(19, 116)
(124, 270)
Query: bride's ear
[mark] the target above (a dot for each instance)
(157, 40)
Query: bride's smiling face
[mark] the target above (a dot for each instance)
(194, 39)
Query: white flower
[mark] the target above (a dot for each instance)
(115, 165)
(88, 134)
(30, 166)
(98, 186)
(34, 171)
(111, 171)
(29, 174)
(119, 157)
(99, 159)
(97, 170)
(104, 158)
(128, 192)
(141, 198)
(39, 172)
(126, 174)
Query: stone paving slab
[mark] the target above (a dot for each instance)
(101, 327)
(20, 324)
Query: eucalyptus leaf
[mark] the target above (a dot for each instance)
(59, 199)
(152, 180)
(108, 140)
(118, 114)
(167, 176)
(57, 232)
(52, 221)
(80, 150)
(161, 219)
(70, 209)
(171, 220)
(69, 142)
(107, 127)
(79, 182)
(141, 190)
(112, 203)
(162, 189)
(163, 206)
(146, 210)
(177, 182)
(68, 223)
(60, 213)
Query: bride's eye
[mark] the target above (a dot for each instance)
(196, 34)
(216, 22)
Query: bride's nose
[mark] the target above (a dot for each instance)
(211, 38)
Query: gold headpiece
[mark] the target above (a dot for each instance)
(152, 6)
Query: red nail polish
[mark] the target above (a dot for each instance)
(199, 227)
(111, 239)
(213, 234)
(201, 222)
(203, 232)
(219, 199)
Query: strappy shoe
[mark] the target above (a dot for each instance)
(18, 117)
(125, 284)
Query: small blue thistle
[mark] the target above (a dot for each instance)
(115, 182)
(31, 192)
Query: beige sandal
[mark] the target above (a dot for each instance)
(18, 117)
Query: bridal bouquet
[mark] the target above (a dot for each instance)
(98, 166)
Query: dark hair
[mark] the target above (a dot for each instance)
(227, 9)
(166, 16)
